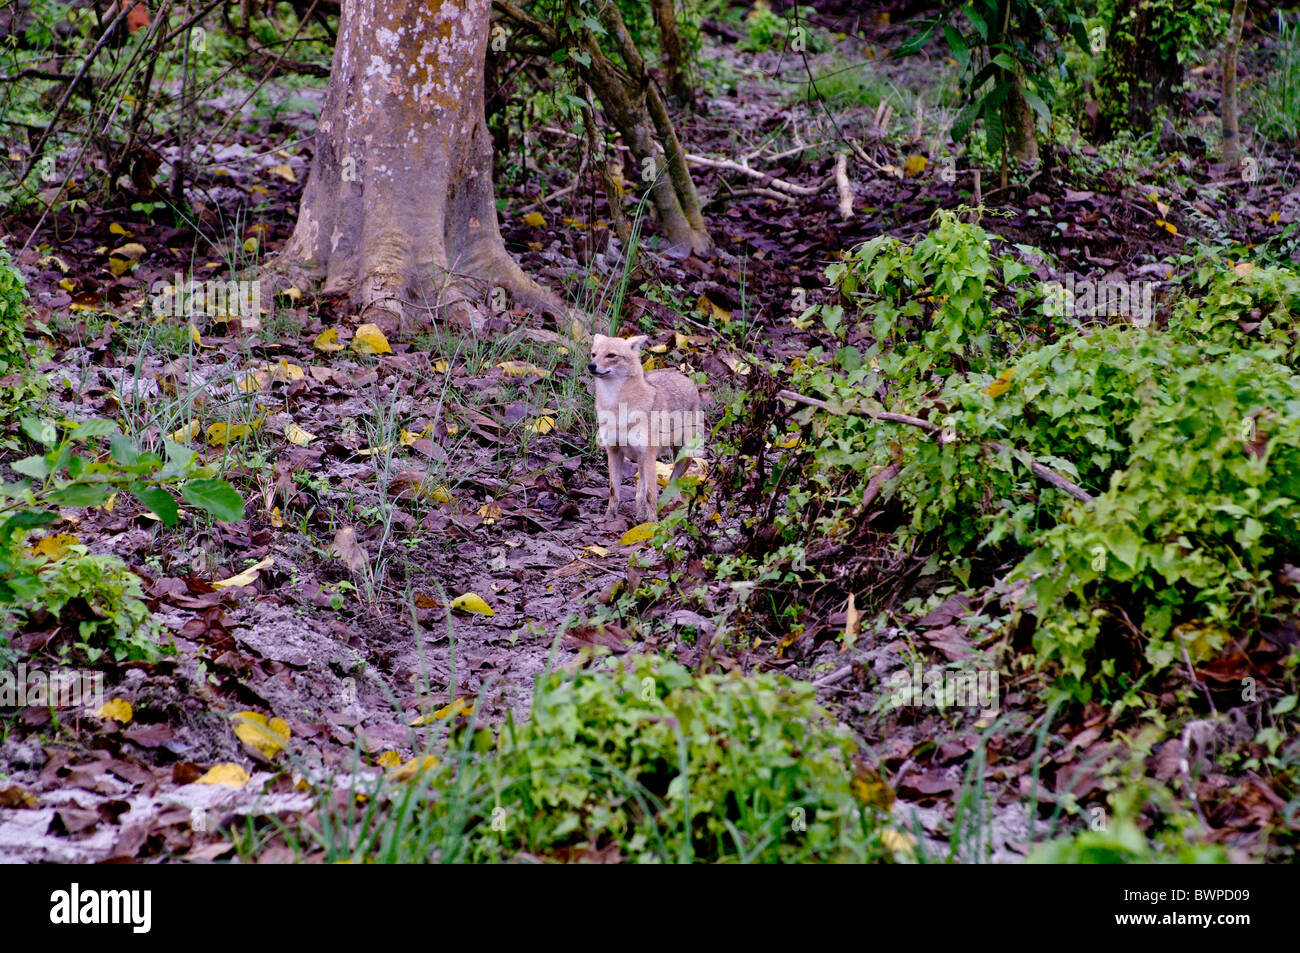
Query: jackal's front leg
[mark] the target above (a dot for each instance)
(647, 486)
(614, 457)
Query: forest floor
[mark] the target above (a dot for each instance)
(464, 462)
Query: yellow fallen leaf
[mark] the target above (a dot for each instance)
(220, 434)
(852, 623)
(370, 340)
(250, 245)
(410, 436)
(118, 709)
(542, 425)
(461, 706)
(131, 250)
(253, 381)
(198, 341)
(229, 775)
(116, 229)
(186, 433)
(736, 364)
(389, 760)
(248, 576)
(638, 533)
(472, 602)
(491, 512)
(120, 266)
(297, 436)
(268, 735)
(441, 367)
(285, 372)
(293, 293)
(597, 550)
(439, 494)
(276, 519)
(914, 165)
(1243, 268)
(328, 340)
(521, 369)
(54, 546)
(897, 840)
(67, 284)
(534, 219)
(283, 171)
(711, 310)
(413, 767)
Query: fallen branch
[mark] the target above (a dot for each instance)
(1040, 470)
(726, 165)
(842, 186)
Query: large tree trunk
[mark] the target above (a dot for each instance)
(399, 211)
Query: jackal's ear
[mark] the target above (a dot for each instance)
(636, 342)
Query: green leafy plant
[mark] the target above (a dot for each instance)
(75, 470)
(1183, 544)
(19, 385)
(932, 300)
(638, 757)
(111, 615)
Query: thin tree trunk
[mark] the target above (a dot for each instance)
(1228, 106)
(633, 104)
(670, 48)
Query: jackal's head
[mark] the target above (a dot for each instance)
(615, 357)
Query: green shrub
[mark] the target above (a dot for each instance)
(1183, 544)
(104, 588)
(1246, 306)
(1187, 437)
(641, 756)
(76, 470)
(932, 301)
(13, 296)
(21, 386)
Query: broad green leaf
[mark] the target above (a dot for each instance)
(178, 454)
(82, 494)
(40, 430)
(216, 496)
(94, 427)
(25, 520)
(160, 502)
(1037, 105)
(124, 449)
(35, 467)
(957, 43)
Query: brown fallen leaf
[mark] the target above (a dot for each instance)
(351, 552)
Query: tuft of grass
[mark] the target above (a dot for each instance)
(1276, 105)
